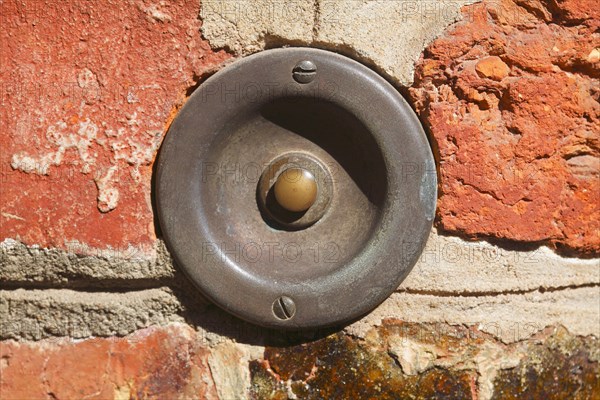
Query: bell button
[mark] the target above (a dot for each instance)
(296, 189)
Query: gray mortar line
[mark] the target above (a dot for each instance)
(466, 293)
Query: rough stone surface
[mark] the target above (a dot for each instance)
(166, 363)
(229, 368)
(396, 360)
(88, 91)
(37, 314)
(508, 317)
(338, 367)
(452, 362)
(450, 266)
(492, 67)
(563, 368)
(510, 294)
(511, 98)
(387, 35)
(21, 265)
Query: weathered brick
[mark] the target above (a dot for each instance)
(339, 367)
(88, 91)
(430, 361)
(152, 363)
(510, 97)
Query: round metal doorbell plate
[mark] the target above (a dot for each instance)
(324, 250)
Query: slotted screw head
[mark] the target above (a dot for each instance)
(304, 72)
(284, 308)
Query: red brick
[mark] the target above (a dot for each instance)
(518, 153)
(493, 68)
(103, 79)
(152, 363)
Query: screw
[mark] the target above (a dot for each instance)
(284, 308)
(304, 72)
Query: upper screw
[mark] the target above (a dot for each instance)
(304, 72)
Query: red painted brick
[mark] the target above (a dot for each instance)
(88, 90)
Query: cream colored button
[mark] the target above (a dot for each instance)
(296, 189)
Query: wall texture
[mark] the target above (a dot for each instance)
(504, 302)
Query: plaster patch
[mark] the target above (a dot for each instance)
(507, 317)
(88, 81)
(61, 139)
(228, 364)
(490, 359)
(388, 35)
(108, 194)
(416, 356)
(122, 144)
(156, 13)
(413, 357)
(450, 265)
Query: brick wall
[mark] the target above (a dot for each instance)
(502, 304)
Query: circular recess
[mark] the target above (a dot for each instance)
(326, 249)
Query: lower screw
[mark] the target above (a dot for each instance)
(284, 308)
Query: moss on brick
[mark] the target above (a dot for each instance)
(561, 368)
(401, 360)
(341, 367)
